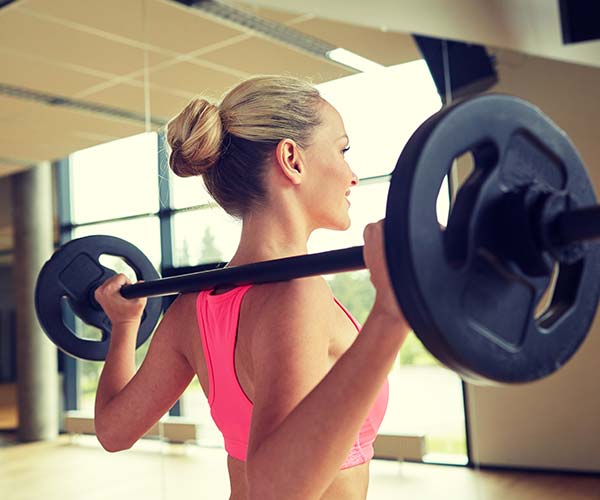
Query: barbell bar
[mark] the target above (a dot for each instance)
(520, 223)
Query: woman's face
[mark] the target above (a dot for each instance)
(329, 176)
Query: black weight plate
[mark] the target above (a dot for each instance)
(72, 274)
(471, 309)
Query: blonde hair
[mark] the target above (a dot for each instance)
(228, 144)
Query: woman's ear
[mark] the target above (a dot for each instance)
(290, 160)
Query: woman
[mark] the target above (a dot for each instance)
(297, 393)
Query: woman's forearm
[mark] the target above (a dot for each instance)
(304, 453)
(118, 370)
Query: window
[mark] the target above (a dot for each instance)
(114, 191)
(381, 110)
(188, 192)
(204, 235)
(115, 180)
(144, 233)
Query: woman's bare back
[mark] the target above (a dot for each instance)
(349, 484)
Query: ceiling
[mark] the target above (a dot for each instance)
(529, 26)
(77, 73)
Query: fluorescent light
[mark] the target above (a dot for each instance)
(353, 60)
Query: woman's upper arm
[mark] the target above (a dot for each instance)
(290, 347)
(162, 377)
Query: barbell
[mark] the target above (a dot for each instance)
(520, 229)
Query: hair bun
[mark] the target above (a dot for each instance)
(195, 137)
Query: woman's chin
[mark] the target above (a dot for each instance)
(340, 223)
(337, 226)
(344, 225)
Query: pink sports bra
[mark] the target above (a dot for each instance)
(230, 407)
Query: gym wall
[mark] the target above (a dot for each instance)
(553, 423)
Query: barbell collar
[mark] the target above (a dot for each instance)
(578, 225)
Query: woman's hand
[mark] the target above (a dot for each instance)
(118, 309)
(375, 260)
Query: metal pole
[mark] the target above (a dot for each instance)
(37, 370)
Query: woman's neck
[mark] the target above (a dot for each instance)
(271, 235)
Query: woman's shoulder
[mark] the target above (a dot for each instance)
(294, 306)
(299, 294)
(184, 304)
(289, 329)
(181, 318)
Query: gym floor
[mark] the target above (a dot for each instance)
(76, 467)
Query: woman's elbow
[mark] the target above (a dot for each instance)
(109, 440)
(113, 447)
